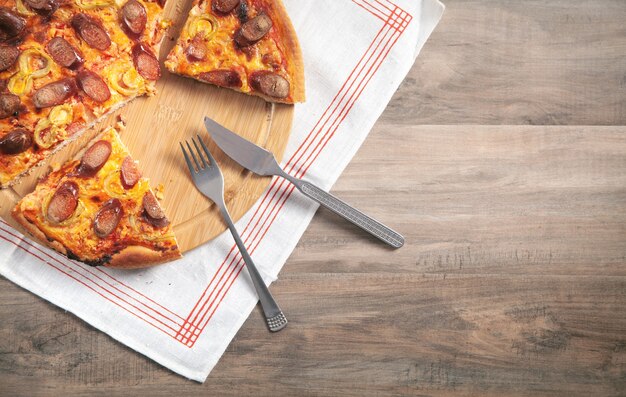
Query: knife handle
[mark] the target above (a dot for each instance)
(351, 214)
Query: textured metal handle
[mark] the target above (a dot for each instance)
(274, 317)
(351, 214)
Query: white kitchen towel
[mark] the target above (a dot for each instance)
(184, 314)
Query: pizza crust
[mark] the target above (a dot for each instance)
(136, 256)
(35, 232)
(131, 257)
(295, 61)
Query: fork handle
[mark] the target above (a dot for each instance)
(347, 212)
(273, 315)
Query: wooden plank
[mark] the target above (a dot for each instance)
(349, 336)
(481, 199)
(560, 62)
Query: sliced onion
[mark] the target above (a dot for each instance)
(132, 220)
(59, 117)
(158, 238)
(27, 56)
(112, 185)
(64, 14)
(23, 10)
(91, 4)
(132, 79)
(42, 124)
(20, 84)
(46, 137)
(127, 83)
(198, 25)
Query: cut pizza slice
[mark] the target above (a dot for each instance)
(64, 69)
(245, 45)
(98, 209)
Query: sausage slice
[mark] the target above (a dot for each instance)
(271, 84)
(129, 174)
(16, 141)
(91, 30)
(153, 212)
(9, 105)
(55, 93)
(253, 30)
(133, 16)
(107, 218)
(197, 49)
(93, 85)
(8, 56)
(222, 77)
(94, 159)
(11, 24)
(224, 6)
(63, 203)
(64, 53)
(44, 8)
(145, 62)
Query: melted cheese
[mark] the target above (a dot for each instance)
(77, 233)
(221, 49)
(105, 63)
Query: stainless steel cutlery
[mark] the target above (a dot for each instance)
(262, 162)
(208, 179)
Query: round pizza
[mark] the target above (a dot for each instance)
(65, 64)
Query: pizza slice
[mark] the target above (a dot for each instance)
(245, 45)
(65, 64)
(98, 209)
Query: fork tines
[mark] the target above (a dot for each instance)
(206, 159)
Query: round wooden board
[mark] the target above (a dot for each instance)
(155, 126)
(177, 114)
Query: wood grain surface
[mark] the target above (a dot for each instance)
(510, 187)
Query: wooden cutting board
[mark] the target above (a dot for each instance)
(157, 124)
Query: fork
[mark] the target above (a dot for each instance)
(207, 177)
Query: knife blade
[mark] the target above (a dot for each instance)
(244, 152)
(263, 162)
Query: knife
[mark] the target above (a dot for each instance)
(262, 162)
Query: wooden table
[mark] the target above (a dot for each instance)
(507, 147)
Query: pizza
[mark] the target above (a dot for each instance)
(65, 64)
(245, 45)
(98, 209)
